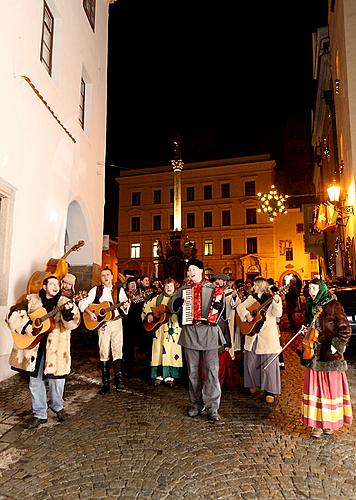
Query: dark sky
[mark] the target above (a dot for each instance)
(225, 75)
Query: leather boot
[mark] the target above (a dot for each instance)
(119, 385)
(105, 374)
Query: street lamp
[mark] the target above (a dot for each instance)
(334, 191)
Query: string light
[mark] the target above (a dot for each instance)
(272, 203)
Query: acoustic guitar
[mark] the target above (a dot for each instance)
(42, 324)
(258, 311)
(55, 267)
(160, 314)
(105, 311)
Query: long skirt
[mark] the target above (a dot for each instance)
(326, 400)
(255, 376)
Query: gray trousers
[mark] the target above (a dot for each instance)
(205, 395)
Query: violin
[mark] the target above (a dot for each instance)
(310, 339)
(55, 267)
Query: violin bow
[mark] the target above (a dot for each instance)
(287, 344)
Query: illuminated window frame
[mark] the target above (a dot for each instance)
(208, 247)
(135, 250)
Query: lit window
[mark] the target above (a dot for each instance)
(208, 247)
(155, 249)
(47, 38)
(82, 103)
(89, 7)
(135, 250)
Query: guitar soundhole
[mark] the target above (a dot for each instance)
(37, 323)
(101, 314)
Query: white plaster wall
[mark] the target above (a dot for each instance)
(37, 157)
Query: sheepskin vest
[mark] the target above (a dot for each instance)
(57, 342)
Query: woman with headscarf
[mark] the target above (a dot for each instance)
(326, 404)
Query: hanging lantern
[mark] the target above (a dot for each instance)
(272, 203)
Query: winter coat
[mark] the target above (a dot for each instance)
(268, 337)
(57, 345)
(334, 331)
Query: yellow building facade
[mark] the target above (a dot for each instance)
(220, 220)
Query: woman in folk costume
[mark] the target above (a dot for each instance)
(326, 404)
(167, 361)
(262, 346)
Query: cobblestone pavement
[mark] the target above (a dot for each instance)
(139, 443)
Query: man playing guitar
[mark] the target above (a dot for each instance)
(110, 333)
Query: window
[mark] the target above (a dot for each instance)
(171, 222)
(208, 192)
(208, 219)
(225, 190)
(190, 194)
(157, 197)
(226, 246)
(135, 224)
(89, 7)
(250, 188)
(190, 220)
(251, 216)
(289, 253)
(251, 244)
(135, 250)
(47, 38)
(208, 247)
(156, 222)
(171, 195)
(82, 103)
(225, 218)
(155, 249)
(136, 199)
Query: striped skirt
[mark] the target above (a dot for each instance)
(326, 400)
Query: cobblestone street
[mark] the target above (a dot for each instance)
(139, 443)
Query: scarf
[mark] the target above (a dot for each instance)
(323, 297)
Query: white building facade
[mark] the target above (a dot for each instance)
(53, 59)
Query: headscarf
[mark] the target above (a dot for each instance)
(321, 299)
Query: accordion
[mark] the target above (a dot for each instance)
(200, 304)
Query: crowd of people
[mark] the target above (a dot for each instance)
(192, 332)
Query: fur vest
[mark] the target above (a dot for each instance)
(57, 343)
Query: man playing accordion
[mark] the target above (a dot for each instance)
(201, 305)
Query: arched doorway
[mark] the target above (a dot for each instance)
(76, 230)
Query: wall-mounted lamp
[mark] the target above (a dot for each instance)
(334, 196)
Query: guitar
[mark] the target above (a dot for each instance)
(105, 311)
(42, 324)
(160, 316)
(55, 267)
(258, 311)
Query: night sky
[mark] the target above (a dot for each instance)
(225, 75)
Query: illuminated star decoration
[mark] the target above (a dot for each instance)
(272, 203)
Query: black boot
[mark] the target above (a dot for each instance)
(118, 374)
(105, 374)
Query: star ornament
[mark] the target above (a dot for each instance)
(272, 203)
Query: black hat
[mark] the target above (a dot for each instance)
(221, 276)
(195, 262)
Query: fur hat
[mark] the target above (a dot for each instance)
(221, 276)
(195, 262)
(70, 279)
